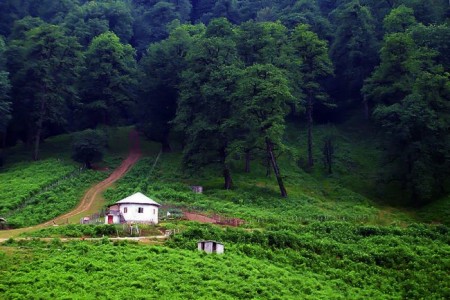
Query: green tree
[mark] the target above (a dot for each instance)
(436, 37)
(5, 104)
(306, 12)
(45, 79)
(262, 43)
(264, 95)
(399, 19)
(412, 105)
(353, 51)
(205, 104)
(109, 81)
(96, 17)
(88, 146)
(315, 66)
(162, 67)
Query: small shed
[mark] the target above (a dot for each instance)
(197, 189)
(3, 223)
(211, 247)
(136, 208)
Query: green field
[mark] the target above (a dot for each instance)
(332, 238)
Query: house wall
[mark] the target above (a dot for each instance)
(116, 219)
(149, 214)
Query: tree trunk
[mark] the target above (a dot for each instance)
(247, 161)
(166, 145)
(226, 170)
(227, 176)
(366, 109)
(3, 142)
(268, 166)
(37, 136)
(276, 169)
(309, 113)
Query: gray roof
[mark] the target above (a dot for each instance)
(138, 198)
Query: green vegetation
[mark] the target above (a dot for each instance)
(326, 259)
(237, 92)
(51, 203)
(92, 231)
(22, 181)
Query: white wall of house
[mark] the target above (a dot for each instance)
(139, 212)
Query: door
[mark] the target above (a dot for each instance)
(110, 219)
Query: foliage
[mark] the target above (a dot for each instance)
(48, 65)
(55, 201)
(412, 94)
(328, 259)
(108, 81)
(88, 147)
(24, 180)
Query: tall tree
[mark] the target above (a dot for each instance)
(264, 95)
(5, 104)
(96, 17)
(109, 81)
(46, 77)
(412, 97)
(204, 107)
(399, 19)
(354, 51)
(315, 66)
(307, 12)
(162, 67)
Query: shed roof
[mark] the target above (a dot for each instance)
(138, 198)
(210, 241)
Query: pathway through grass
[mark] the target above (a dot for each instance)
(92, 196)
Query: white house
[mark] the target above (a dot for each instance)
(211, 247)
(136, 208)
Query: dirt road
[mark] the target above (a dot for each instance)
(89, 197)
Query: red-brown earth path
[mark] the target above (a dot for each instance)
(89, 197)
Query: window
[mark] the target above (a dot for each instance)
(140, 210)
(125, 210)
(154, 211)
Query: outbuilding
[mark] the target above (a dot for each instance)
(136, 208)
(211, 247)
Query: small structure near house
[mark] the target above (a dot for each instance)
(3, 223)
(211, 247)
(136, 208)
(197, 189)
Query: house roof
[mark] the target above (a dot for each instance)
(138, 198)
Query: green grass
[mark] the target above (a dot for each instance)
(35, 192)
(327, 260)
(436, 212)
(21, 181)
(54, 202)
(332, 238)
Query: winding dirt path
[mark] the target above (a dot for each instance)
(89, 197)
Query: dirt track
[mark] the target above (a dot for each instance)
(89, 197)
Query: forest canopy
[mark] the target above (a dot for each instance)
(228, 74)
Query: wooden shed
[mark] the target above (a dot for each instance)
(211, 247)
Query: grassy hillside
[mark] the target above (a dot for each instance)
(34, 192)
(332, 238)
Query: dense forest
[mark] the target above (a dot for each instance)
(226, 76)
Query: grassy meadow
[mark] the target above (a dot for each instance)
(332, 238)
